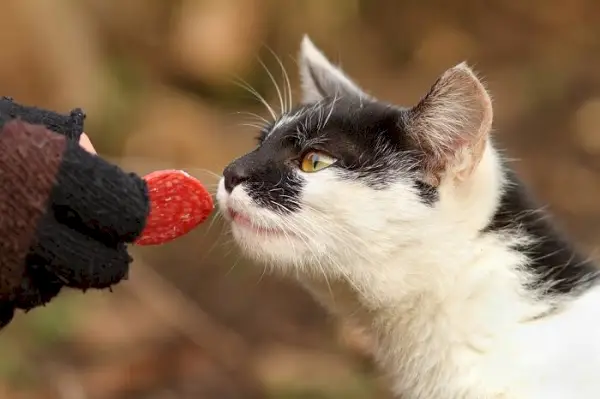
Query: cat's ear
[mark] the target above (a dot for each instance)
(451, 124)
(320, 78)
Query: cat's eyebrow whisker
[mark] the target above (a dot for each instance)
(320, 120)
(332, 107)
(253, 125)
(298, 134)
(282, 106)
(244, 85)
(286, 79)
(254, 120)
(315, 141)
(254, 115)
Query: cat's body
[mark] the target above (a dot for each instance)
(409, 224)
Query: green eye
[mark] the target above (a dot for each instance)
(315, 161)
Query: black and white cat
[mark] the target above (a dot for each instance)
(407, 222)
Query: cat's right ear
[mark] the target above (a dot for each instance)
(320, 78)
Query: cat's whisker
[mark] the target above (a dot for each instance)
(194, 170)
(309, 226)
(304, 234)
(320, 117)
(255, 116)
(252, 125)
(347, 235)
(331, 109)
(299, 233)
(206, 254)
(254, 120)
(286, 80)
(244, 85)
(289, 225)
(233, 266)
(279, 95)
(262, 275)
(217, 216)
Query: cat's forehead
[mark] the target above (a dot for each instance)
(331, 122)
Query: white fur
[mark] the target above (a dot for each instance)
(444, 304)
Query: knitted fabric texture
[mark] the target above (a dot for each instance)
(24, 195)
(67, 215)
(70, 211)
(70, 125)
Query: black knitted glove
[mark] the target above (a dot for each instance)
(70, 126)
(65, 214)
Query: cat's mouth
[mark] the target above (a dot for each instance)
(242, 220)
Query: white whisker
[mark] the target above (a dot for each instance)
(254, 115)
(244, 85)
(282, 107)
(286, 80)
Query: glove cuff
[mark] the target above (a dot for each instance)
(70, 125)
(24, 194)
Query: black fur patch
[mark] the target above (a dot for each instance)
(554, 262)
(367, 138)
(268, 178)
(428, 193)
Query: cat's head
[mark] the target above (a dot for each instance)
(344, 182)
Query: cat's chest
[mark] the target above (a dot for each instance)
(469, 355)
(553, 358)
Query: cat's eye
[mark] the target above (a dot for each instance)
(315, 161)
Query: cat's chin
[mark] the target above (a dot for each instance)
(272, 246)
(243, 222)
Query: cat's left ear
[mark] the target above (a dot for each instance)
(320, 78)
(451, 124)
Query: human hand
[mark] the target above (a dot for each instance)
(67, 214)
(86, 144)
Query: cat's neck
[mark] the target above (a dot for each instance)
(428, 340)
(441, 333)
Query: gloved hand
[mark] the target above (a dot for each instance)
(66, 215)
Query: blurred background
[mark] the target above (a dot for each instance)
(158, 81)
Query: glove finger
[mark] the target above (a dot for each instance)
(77, 260)
(70, 125)
(99, 198)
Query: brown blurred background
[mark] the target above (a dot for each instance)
(156, 78)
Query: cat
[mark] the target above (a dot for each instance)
(408, 222)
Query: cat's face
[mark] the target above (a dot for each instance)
(344, 179)
(326, 178)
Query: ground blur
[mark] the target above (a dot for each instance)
(156, 78)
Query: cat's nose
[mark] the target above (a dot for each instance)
(234, 175)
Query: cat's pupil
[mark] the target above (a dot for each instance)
(316, 161)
